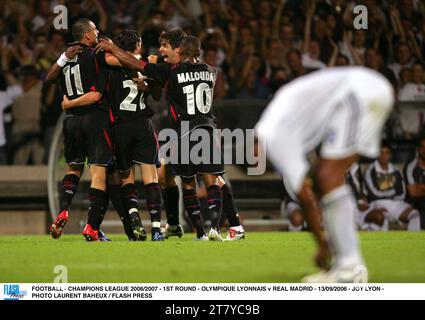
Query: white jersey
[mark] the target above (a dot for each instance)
(343, 109)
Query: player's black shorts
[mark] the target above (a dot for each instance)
(204, 155)
(87, 137)
(134, 142)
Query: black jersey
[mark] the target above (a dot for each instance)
(189, 88)
(82, 75)
(126, 103)
(413, 174)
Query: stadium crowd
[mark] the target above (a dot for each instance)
(257, 46)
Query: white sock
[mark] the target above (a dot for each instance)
(339, 210)
(377, 227)
(385, 225)
(294, 228)
(374, 227)
(414, 221)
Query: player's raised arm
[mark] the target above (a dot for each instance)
(56, 68)
(116, 56)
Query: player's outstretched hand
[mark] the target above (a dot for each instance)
(65, 102)
(72, 51)
(104, 45)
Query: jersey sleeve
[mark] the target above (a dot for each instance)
(101, 59)
(159, 72)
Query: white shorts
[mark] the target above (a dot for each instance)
(393, 208)
(343, 109)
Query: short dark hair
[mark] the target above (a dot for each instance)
(79, 28)
(128, 40)
(386, 144)
(173, 37)
(294, 51)
(191, 46)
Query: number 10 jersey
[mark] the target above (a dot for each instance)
(189, 89)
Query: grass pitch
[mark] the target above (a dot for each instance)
(274, 257)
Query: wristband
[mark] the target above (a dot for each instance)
(63, 59)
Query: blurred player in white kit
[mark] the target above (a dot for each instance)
(342, 110)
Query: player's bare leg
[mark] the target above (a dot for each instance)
(69, 189)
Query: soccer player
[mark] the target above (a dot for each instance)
(134, 138)
(343, 110)
(86, 127)
(190, 100)
(414, 175)
(385, 189)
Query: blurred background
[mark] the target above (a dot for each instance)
(256, 45)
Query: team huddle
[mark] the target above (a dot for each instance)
(108, 124)
(340, 111)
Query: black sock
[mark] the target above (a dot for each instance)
(153, 201)
(97, 200)
(129, 194)
(103, 211)
(170, 197)
(229, 208)
(193, 208)
(215, 200)
(117, 200)
(69, 189)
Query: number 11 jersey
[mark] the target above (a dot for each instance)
(84, 74)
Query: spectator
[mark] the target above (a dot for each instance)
(374, 61)
(342, 60)
(50, 112)
(150, 29)
(221, 86)
(405, 76)
(404, 59)
(26, 114)
(8, 92)
(295, 65)
(414, 175)
(354, 49)
(414, 90)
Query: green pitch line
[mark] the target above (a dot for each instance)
(262, 257)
